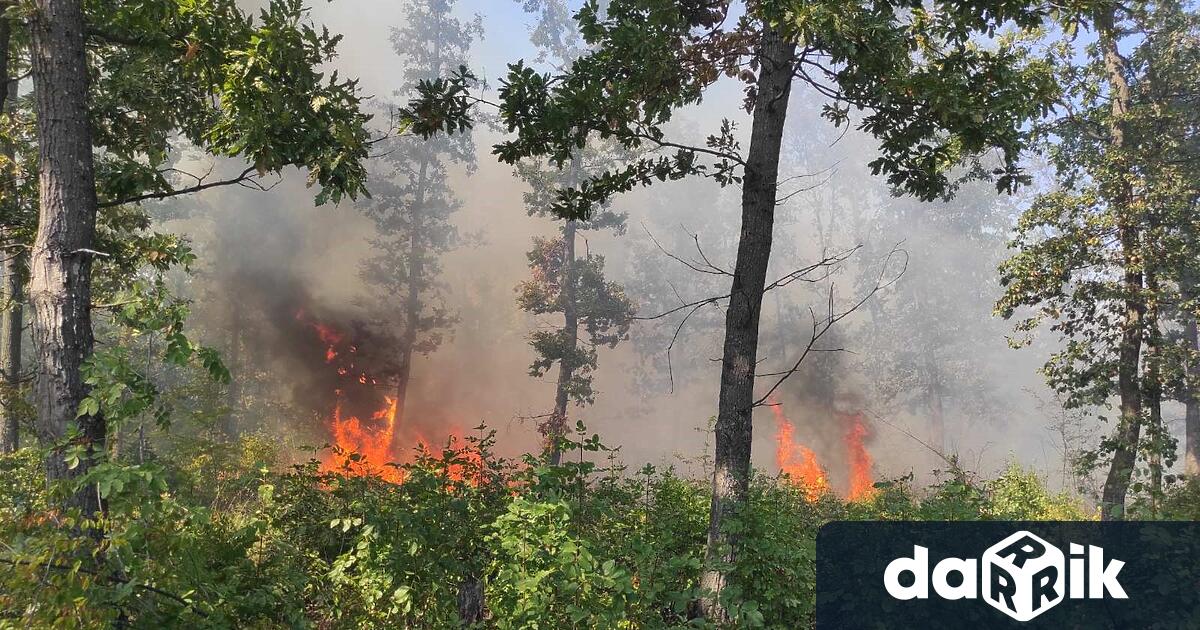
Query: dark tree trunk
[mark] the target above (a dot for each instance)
(1191, 398)
(470, 601)
(12, 325)
(1129, 426)
(1152, 390)
(557, 427)
(61, 259)
(12, 287)
(734, 429)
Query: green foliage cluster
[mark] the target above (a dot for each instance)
(223, 535)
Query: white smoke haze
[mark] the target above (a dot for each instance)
(256, 247)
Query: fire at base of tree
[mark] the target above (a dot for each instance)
(311, 321)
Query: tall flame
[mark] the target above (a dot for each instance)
(796, 460)
(862, 486)
(802, 466)
(360, 450)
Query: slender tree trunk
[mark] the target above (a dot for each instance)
(557, 427)
(1191, 452)
(937, 418)
(1152, 390)
(781, 328)
(1128, 432)
(12, 325)
(935, 397)
(234, 392)
(12, 288)
(734, 429)
(61, 261)
(412, 302)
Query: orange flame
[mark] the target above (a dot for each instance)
(796, 460)
(362, 451)
(801, 465)
(862, 486)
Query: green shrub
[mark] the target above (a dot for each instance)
(215, 535)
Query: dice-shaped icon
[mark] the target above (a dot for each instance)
(1023, 576)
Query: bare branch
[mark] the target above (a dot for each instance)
(247, 178)
(822, 325)
(706, 268)
(949, 459)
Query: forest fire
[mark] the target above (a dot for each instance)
(367, 434)
(862, 486)
(797, 461)
(802, 466)
(360, 450)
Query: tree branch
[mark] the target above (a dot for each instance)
(111, 578)
(832, 317)
(247, 177)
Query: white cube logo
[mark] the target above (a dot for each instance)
(1023, 576)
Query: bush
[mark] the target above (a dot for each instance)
(217, 536)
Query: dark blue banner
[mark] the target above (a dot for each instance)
(1012, 575)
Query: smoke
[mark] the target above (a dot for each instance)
(274, 268)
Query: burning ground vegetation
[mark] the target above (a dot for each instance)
(397, 525)
(367, 435)
(315, 321)
(457, 532)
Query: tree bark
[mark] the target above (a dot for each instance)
(557, 427)
(470, 601)
(935, 399)
(11, 282)
(1191, 401)
(61, 259)
(1152, 389)
(1128, 432)
(734, 429)
(12, 325)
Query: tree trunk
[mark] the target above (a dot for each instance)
(234, 391)
(937, 419)
(61, 260)
(1128, 431)
(557, 427)
(470, 601)
(734, 429)
(781, 329)
(1152, 389)
(1191, 398)
(12, 325)
(412, 302)
(12, 287)
(935, 399)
